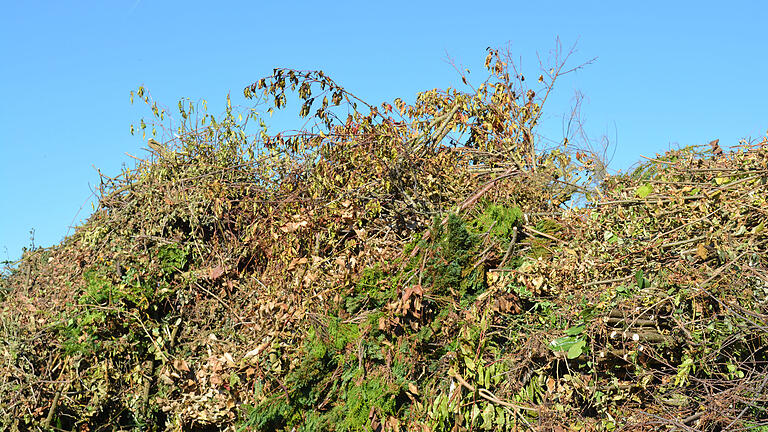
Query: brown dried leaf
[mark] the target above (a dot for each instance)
(216, 272)
(181, 365)
(296, 262)
(294, 226)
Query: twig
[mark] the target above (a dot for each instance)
(720, 270)
(509, 248)
(56, 398)
(682, 242)
(52, 410)
(149, 366)
(656, 160)
(537, 232)
(705, 217)
(440, 134)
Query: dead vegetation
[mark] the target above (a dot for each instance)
(397, 267)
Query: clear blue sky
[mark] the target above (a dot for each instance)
(668, 73)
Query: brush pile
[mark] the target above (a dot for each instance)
(416, 274)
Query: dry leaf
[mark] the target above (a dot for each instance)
(229, 360)
(216, 272)
(216, 380)
(297, 262)
(256, 351)
(716, 147)
(701, 251)
(181, 365)
(293, 226)
(551, 385)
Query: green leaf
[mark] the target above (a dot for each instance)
(470, 363)
(488, 416)
(572, 345)
(610, 237)
(475, 413)
(500, 416)
(574, 331)
(576, 349)
(644, 190)
(563, 343)
(642, 282)
(444, 407)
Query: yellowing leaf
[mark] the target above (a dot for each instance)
(701, 251)
(759, 228)
(470, 363)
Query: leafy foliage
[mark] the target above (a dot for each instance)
(395, 267)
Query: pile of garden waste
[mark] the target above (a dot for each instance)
(424, 266)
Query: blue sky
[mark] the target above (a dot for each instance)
(667, 74)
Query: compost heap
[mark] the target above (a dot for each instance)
(377, 277)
